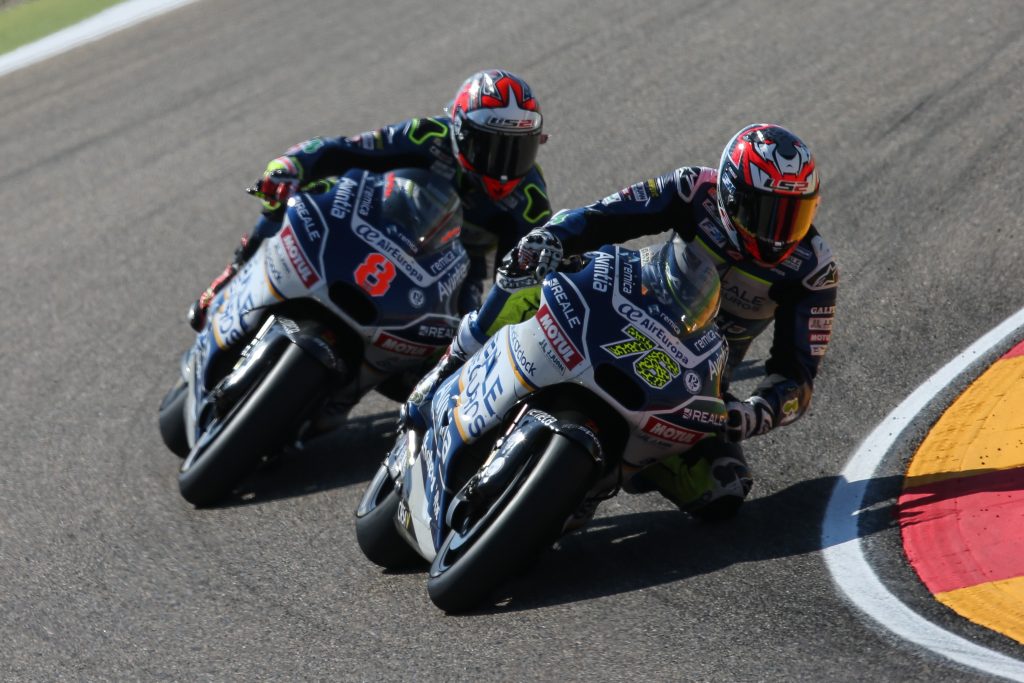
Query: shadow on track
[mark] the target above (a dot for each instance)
(620, 554)
(348, 455)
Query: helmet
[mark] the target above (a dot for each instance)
(496, 129)
(767, 191)
(685, 282)
(423, 205)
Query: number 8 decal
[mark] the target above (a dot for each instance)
(375, 274)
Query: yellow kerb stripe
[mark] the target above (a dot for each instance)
(998, 605)
(982, 431)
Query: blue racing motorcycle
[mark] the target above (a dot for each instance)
(354, 290)
(618, 367)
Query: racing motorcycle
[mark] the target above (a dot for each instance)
(355, 289)
(619, 367)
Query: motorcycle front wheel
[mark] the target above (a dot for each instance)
(376, 529)
(172, 419)
(258, 424)
(514, 531)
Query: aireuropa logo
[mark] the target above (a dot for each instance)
(298, 258)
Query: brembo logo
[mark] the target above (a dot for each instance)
(298, 259)
(666, 431)
(559, 342)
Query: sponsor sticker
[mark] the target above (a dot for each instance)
(668, 432)
(556, 336)
(402, 347)
(298, 259)
(693, 382)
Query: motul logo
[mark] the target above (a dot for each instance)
(298, 259)
(666, 431)
(402, 347)
(559, 342)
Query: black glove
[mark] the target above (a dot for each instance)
(747, 418)
(539, 253)
(510, 277)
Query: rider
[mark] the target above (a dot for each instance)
(753, 218)
(486, 145)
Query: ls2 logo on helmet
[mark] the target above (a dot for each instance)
(801, 186)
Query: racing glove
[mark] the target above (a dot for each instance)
(278, 183)
(510, 277)
(747, 418)
(539, 253)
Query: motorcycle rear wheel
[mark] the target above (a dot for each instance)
(376, 529)
(259, 424)
(172, 419)
(469, 566)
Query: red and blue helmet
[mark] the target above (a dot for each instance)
(496, 130)
(767, 191)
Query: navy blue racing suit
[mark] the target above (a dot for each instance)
(799, 294)
(425, 143)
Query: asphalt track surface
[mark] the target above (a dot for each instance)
(123, 163)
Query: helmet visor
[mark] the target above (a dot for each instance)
(686, 282)
(498, 155)
(776, 223)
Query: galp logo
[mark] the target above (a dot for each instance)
(564, 348)
(298, 258)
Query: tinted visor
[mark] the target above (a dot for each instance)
(498, 154)
(775, 222)
(422, 205)
(687, 282)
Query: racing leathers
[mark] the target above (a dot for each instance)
(799, 295)
(418, 143)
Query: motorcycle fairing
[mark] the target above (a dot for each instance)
(581, 318)
(322, 243)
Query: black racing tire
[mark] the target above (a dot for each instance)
(259, 424)
(376, 530)
(530, 521)
(172, 419)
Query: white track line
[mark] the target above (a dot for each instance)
(841, 542)
(95, 27)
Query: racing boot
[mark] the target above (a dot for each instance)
(197, 311)
(467, 341)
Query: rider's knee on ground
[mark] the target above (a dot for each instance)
(710, 481)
